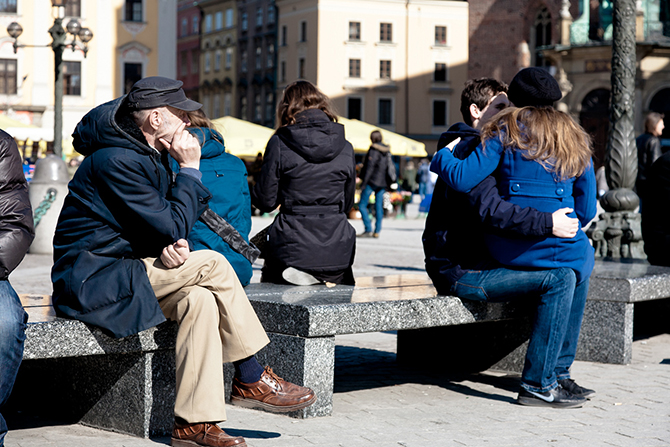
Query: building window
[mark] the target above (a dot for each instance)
(384, 69)
(183, 63)
(229, 57)
(218, 20)
(301, 68)
(243, 61)
(282, 71)
(208, 62)
(284, 34)
(440, 72)
(271, 14)
(259, 55)
(206, 101)
(196, 25)
(217, 60)
(229, 17)
(72, 78)
(354, 68)
(72, 8)
(355, 31)
(245, 21)
(8, 6)
(227, 100)
(183, 31)
(217, 106)
(269, 106)
(271, 55)
(385, 112)
(440, 35)
(355, 108)
(439, 113)
(133, 10)
(131, 74)
(259, 16)
(195, 62)
(386, 32)
(542, 36)
(8, 75)
(243, 107)
(208, 23)
(303, 31)
(257, 108)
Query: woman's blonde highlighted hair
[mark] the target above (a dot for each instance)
(300, 96)
(545, 135)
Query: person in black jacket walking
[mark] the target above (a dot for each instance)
(648, 151)
(16, 234)
(309, 171)
(373, 177)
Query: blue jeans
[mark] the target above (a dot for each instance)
(13, 321)
(379, 208)
(551, 349)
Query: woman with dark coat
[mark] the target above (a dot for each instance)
(309, 172)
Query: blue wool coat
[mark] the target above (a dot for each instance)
(121, 207)
(526, 183)
(225, 176)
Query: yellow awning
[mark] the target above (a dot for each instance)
(358, 134)
(242, 138)
(6, 122)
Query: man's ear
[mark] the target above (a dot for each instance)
(155, 119)
(475, 113)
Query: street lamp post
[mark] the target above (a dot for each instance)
(58, 45)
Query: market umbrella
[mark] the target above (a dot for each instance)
(242, 138)
(358, 134)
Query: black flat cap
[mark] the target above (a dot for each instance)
(534, 86)
(157, 91)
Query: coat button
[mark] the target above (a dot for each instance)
(559, 191)
(516, 187)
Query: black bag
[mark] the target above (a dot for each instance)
(391, 176)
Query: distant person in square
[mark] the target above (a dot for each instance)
(374, 180)
(648, 151)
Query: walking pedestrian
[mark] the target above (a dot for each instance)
(374, 181)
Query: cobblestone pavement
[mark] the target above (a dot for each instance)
(378, 403)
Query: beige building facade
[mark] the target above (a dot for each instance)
(396, 64)
(218, 57)
(131, 39)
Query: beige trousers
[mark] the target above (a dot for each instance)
(216, 324)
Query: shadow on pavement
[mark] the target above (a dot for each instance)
(251, 434)
(363, 369)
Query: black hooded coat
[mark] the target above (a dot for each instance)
(121, 207)
(309, 170)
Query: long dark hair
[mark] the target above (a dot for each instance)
(300, 96)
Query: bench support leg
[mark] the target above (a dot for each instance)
(607, 332)
(303, 361)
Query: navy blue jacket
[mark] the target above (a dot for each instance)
(121, 207)
(453, 240)
(656, 214)
(225, 176)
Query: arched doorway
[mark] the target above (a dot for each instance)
(661, 103)
(594, 118)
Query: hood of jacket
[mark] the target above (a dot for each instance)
(314, 136)
(211, 141)
(458, 130)
(381, 147)
(109, 125)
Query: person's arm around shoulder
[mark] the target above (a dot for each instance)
(585, 195)
(463, 175)
(16, 216)
(265, 195)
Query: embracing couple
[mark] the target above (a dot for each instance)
(516, 187)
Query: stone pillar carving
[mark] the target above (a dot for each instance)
(618, 233)
(565, 22)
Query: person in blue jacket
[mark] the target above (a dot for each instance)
(225, 176)
(459, 263)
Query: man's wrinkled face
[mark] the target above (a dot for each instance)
(497, 104)
(171, 119)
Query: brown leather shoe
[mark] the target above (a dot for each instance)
(272, 393)
(189, 435)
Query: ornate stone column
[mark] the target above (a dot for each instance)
(618, 233)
